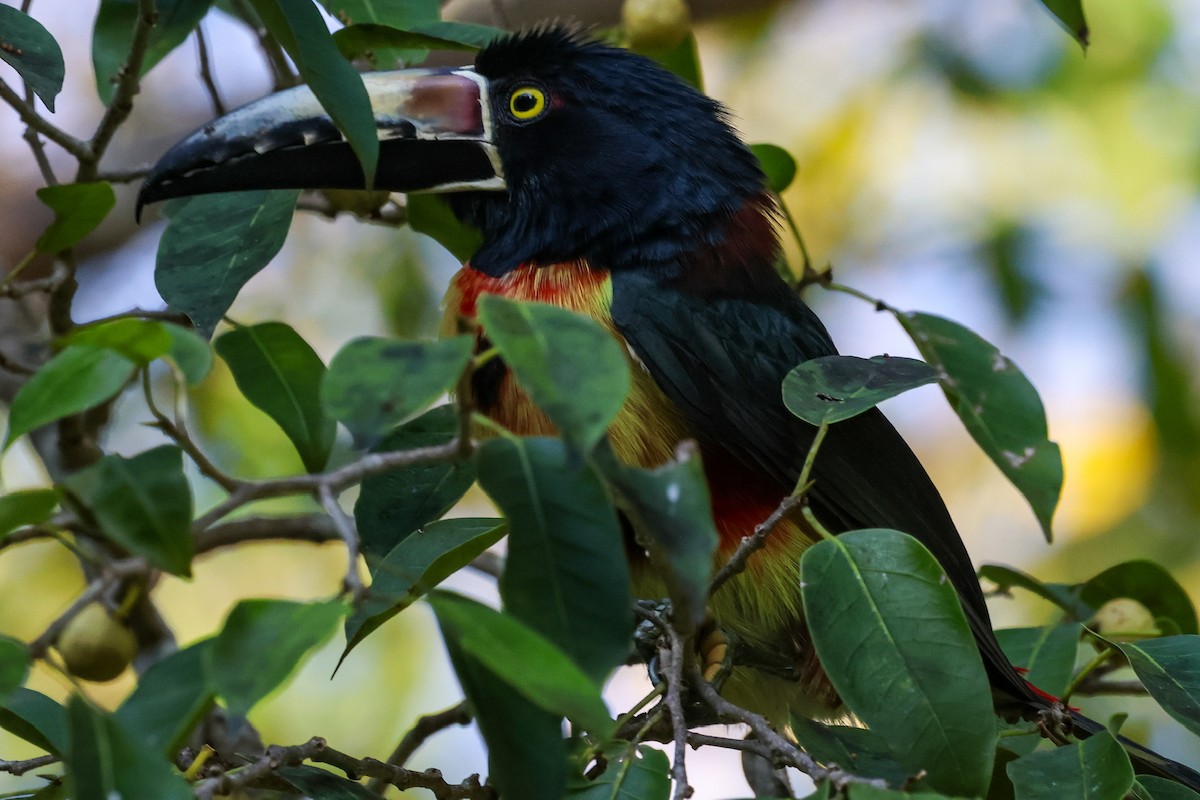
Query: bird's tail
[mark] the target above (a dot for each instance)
(1145, 761)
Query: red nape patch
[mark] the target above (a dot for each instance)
(571, 285)
(1049, 698)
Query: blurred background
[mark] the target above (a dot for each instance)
(966, 159)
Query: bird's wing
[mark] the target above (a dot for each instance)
(722, 360)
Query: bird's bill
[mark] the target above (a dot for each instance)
(434, 128)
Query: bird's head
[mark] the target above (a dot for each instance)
(556, 146)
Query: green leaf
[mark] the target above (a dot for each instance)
(190, 352)
(1163, 789)
(1069, 15)
(542, 345)
(302, 31)
(357, 40)
(890, 633)
(856, 750)
(28, 507)
(214, 244)
(998, 406)
(1169, 668)
(1150, 585)
(170, 699)
(393, 505)
(643, 776)
(777, 164)
(33, 53)
(281, 375)
(113, 36)
(872, 793)
(75, 380)
(1048, 653)
(671, 513)
(386, 12)
(1059, 594)
(261, 644)
(431, 215)
(523, 659)
(321, 784)
(835, 388)
(1094, 769)
(416, 565)
(375, 383)
(682, 59)
(14, 665)
(35, 718)
(566, 575)
(106, 761)
(139, 340)
(142, 503)
(78, 209)
(527, 754)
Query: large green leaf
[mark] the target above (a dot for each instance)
(523, 659)
(35, 718)
(998, 405)
(281, 375)
(78, 209)
(834, 388)
(14, 665)
(640, 774)
(302, 31)
(143, 503)
(571, 367)
(106, 761)
(139, 340)
(892, 637)
(1060, 594)
(360, 39)
(1169, 668)
(214, 244)
(1149, 584)
(856, 750)
(28, 507)
(1094, 769)
(113, 35)
(169, 700)
(527, 754)
(1069, 14)
(671, 512)
(416, 565)
(261, 644)
(385, 12)
(321, 784)
(375, 383)
(33, 53)
(75, 380)
(1048, 653)
(393, 505)
(566, 575)
(190, 352)
(1163, 789)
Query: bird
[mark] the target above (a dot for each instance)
(603, 184)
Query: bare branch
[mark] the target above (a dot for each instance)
(672, 658)
(21, 767)
(214, 94)
(754, 542)
(76, 147)
(315, 528)
(128, 84)
(50, 283)
(352, 583)
(424, 727)
(124, 175)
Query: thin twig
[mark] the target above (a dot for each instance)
(421, 730)
(10, 364)
(1098, 687)
(336, 480)
(128, 84)
(277, 60)
(352, 583)
(162, 314)
(315, 528)
(176, 431)
(754, 542)
(206, 76)
(489, 563)
(76, 147)
(128, 175)
(50, 283)
(21, 767)
(672, 659)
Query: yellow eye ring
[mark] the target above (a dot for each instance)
(526, 103)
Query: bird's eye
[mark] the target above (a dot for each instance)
(527, 103)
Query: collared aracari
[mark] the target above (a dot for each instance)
(603, 184)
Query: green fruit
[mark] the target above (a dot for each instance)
(1124, 619)
(95, 646)
(655, 24)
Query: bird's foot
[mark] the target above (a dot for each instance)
(716, 649)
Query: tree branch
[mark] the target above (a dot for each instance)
(424, 727)
(21, 767)
(76, 147)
